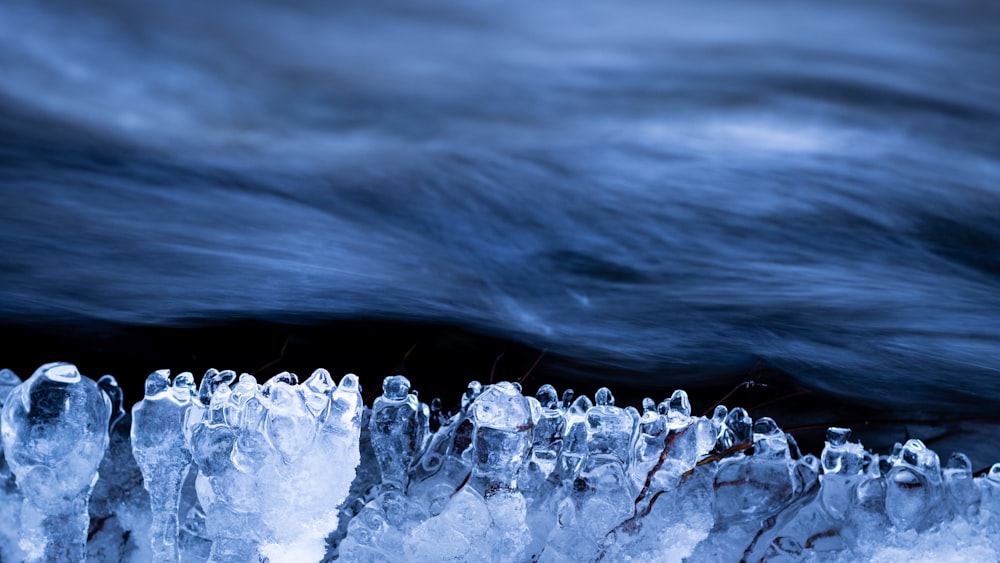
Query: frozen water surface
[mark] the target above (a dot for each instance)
(239, 471)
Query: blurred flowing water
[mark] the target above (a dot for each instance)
(669, 190)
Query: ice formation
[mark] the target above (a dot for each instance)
(55, 433)
(237, 471)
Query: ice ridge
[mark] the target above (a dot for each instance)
(233, 470)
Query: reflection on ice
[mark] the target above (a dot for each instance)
(240, 471)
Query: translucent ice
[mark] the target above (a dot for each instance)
(55, 432)
(8, 381)
(817, 517)
(486, 519)
(398, 426)
(963, 498)
(445, 462)
(537, 476)
(10, 497)
(603, 494)
(159, 449)
(913, 486)
(503, 421)
(274, 475)
(266, 452)
(397, 431)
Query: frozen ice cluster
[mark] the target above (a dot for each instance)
(232, 470)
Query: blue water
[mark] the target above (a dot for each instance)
(663, 187)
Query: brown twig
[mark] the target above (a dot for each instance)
(668, 441)
(781, 398)
(460, 485)
(493, 370)
(281, 356)
(400, 364)
(533, 366)
(638, 513)
(750, 382)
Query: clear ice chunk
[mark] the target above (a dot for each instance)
(265, 452)
(55, 433)
(913, 486)
(397, 431)
(503, 424)
(445, 462)
(535, 479)
(650, 442)
(163, 456)
(678, 409)
(755, 486)
(963, 497)
(818, 515)
(602, 494)
(396, 428)
(487, 518)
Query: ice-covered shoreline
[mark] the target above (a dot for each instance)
(288, 471)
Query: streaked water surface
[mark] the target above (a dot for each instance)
(664, 188)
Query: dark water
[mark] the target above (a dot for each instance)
(656, 194)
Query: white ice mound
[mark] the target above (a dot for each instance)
(242, 472)
(275, 461)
